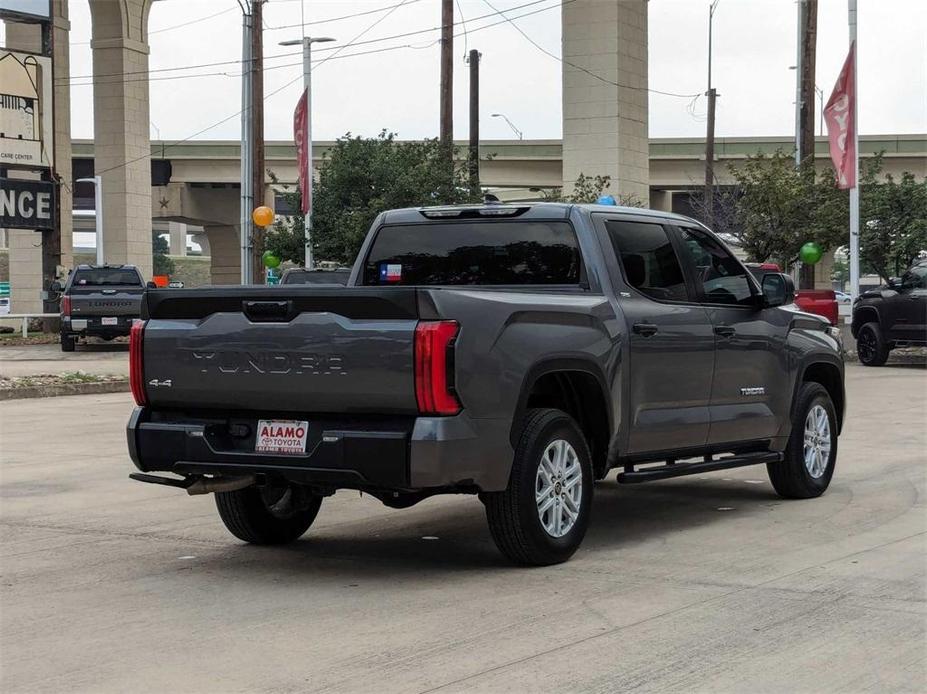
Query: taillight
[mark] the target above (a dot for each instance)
(136, 363)
(65, 306)
(434, 367)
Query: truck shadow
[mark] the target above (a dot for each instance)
(454, 539)
(101, 347)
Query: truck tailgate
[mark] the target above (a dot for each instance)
(296, 349)
(106, 302)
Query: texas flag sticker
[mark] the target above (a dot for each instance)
(390, 272)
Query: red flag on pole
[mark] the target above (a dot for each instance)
(841, 127)
(302, 161)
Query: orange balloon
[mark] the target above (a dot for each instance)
(262, 216)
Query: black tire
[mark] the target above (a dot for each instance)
(791, 478)
(266, 515)
(68, 343)
(871, 347)
(513, 515)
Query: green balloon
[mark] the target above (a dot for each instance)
(810, 253)
(269, 259)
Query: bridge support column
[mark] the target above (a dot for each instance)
(225, 252)
(120, 127)
(605, 113)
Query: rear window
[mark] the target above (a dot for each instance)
(107, 277)
(491, 252)
(316, 277)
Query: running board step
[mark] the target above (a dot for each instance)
(679, 470)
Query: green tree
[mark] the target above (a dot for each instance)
(588, 189)
(360, 178)
(161, 263)
(893, 224)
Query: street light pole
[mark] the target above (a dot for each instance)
(97, 182)
(511, 124)
(307, 42)
(247, 197)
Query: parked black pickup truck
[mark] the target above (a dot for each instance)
(518, 352)
(99, 301)
(891, 316)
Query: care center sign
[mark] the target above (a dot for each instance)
(26, 130)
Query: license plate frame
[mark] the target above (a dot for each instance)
(109, 320)
(281, 436)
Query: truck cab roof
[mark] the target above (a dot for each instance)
(520, 210)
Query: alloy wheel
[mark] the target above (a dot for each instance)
(559, 488)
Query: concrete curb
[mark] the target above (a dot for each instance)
(65, 389)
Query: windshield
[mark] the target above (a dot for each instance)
(475, 253)
(107, 277)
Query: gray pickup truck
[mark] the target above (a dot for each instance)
(99, 301)
(514, 351)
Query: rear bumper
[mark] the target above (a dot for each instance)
(391, 453)
(92, 326)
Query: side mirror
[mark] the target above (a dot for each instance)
(151, 285)
(778, 289)
(894, 283)
(55, 287)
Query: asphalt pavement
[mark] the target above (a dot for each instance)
(700, 584)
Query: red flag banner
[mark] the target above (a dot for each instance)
(302, 158)
(841, 128)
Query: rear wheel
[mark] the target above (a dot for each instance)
(542, 517)
(812, 449)
(68, 342)
(871, 346)
(268, 515)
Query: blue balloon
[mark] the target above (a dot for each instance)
(606, 200)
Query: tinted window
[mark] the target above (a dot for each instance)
(316, 277)
(491, 252)
(915, 278)
(106, 277)
(717, 273)
(647, 257)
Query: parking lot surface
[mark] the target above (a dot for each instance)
(708, 583)
(95, 358)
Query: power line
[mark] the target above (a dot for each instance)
(575, 66)
(171, 28)
(319, 50)
(338, 19)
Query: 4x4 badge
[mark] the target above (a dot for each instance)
(154, 382)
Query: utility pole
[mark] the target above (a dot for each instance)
(805, 102)
(447, 78)
(257, 137)
(474, 60)
(712, 94)
(247, 133)
(808, 97)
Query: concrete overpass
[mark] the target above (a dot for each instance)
(196, 183)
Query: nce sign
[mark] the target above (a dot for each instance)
(27, 204)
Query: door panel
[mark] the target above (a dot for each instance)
(906, 312)
(671, 340)
(750, 391)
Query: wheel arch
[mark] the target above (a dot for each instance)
(578, 387)
(829, 374)
(863, 315)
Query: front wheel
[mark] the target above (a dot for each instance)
(542, 517)
(268, 515)
(871, 347)
(811, 453)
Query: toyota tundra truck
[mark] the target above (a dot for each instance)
(99, 301)
(517, 352)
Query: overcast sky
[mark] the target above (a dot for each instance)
(754, 45)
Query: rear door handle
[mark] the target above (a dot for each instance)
(724, 331)
(645, 329)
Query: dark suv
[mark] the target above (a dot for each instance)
(894, 315)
